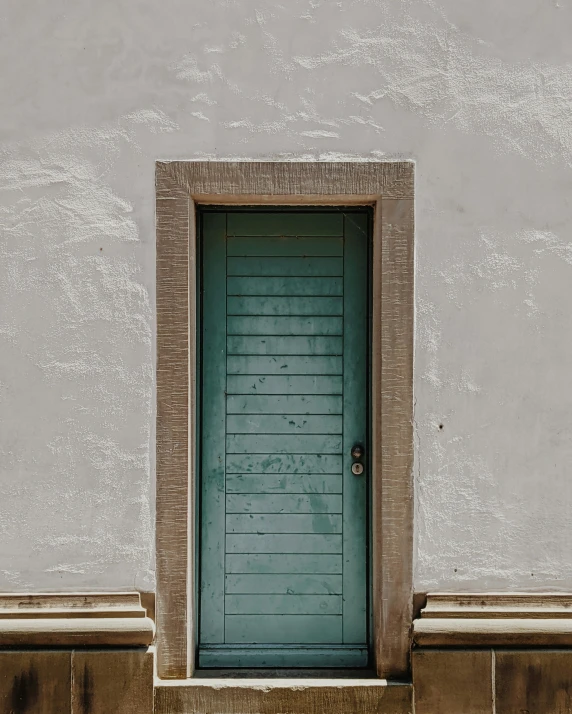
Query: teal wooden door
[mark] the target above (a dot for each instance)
(284, 398)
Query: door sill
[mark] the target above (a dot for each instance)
(287, 695)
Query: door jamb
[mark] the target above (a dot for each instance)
(389, 186)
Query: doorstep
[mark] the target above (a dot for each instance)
(282, 696)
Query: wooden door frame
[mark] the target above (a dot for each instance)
(389, 187)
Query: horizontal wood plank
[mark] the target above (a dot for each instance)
(285, 267)
(295, 286)
(278, 345)
(284, 424)
(283, 629)
(284, 464)
(283, 444)
(284, 483)
(283, 503)
(283, 604)
(287, 584)
(271, 695)
(266, 245)
(287, 326)
(284, 365)
(283, 404)
(284, 543)
(283, 523)
(285, 224)
(299, 564)
(276, 306)
(283, 385)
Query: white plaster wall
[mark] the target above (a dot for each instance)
(478, 93)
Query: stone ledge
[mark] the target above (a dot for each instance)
(74, 620)
(495, 620)
(282, 696)
(498, 605)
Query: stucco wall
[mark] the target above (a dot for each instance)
(478, 93)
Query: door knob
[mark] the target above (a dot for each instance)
(357, 451)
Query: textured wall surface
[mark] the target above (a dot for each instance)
(477, 93)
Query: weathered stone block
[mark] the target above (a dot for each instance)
(112, 681)
(452, 681)
(35, 682)
(533, 682)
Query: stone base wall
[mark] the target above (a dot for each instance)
(82, 681)
(477, 654)
(75, 654)
(493, 654)
(492, 681)
(445, 681)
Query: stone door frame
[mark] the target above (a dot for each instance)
(389, 188)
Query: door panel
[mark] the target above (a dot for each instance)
(285, 404)
(282, 523)
(284, 605)
(283, 503)
(283, 305)
(282, 224)
(297, 584)
(298, 365)
(283, 543)
(286, 266)
(272, 483)
(284, 345)
(284, 564)
(285, 629)
(284, 423)
(285, 246)
(284, 399)
(283, 444)
(291, 326)
(284, 464)
(299, 286)
(282, 386)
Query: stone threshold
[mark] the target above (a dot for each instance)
(282, 696)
